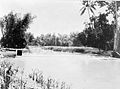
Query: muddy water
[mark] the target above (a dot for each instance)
(78, 70)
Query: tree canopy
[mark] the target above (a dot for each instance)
(13, 29)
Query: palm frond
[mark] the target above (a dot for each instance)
(83, 11)
(93, 7)
(82, 8)
(91, 10)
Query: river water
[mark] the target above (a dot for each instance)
(81, 71)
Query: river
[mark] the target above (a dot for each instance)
(81, 71)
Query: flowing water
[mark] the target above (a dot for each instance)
(81, 71)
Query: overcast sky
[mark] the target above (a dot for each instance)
(53, 16)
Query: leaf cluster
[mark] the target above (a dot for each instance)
(13, 29)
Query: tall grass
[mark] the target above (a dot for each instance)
(47, 83)
(14, 78)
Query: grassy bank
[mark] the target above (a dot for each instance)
(83, 50)
(37, 49)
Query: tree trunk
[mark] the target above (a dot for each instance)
(89, 13)
(116, 36)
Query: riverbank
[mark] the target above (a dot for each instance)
(83, 50)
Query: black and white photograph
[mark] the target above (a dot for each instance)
(59, 44)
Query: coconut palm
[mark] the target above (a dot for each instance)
(89, 6)
(116, 52)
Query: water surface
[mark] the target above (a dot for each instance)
(81, 71)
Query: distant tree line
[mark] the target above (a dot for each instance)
(51, 39)
(98, 34)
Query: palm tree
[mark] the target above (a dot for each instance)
(2, 27)
(89, 6)
(116, 52)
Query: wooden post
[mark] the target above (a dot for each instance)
(19, 52)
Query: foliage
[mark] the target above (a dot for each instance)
(7, 74)
(80, 39)
(11, 77)
(110, 6)
(13, 30)
(29, 38)
(98, 35)
(52, 40)
(89, 6)
(57, 40)
(49, 83)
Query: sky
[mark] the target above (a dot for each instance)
(52, 16)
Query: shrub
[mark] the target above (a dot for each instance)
(78, 50)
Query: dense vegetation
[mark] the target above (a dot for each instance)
(98, 32)
(99, 35)
(13, 30)
(12, 77)
(52, 39)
